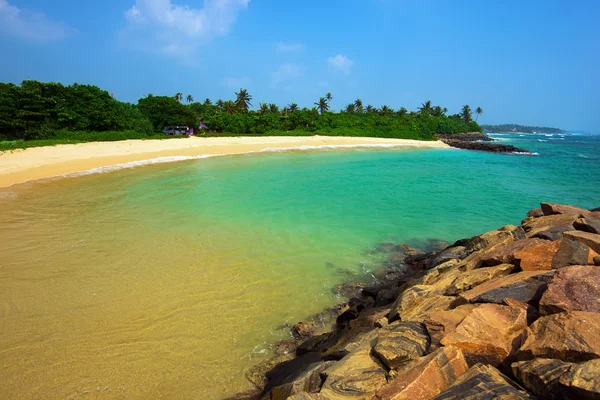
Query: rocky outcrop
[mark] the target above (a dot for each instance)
(575, 288)
(307, 380)
(570, 252)
(401, 342)
(538, 257)
(541, 375)
(582, 381)
(591, 240)
(483, 146)
(467, 137)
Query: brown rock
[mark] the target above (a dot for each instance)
(572, 336)
(308, 380)
(532, 312)
(356, 377)
(535, 213)
(541, 375)
(401, 342)
(417, 302)
(450, 253)
(252, 394)
(526, 286)
(575, 288)
(470, 279)
(367, 318)
(346, 341)
(570, 252)
(304, 396)
(489, 334)
(442, 323)
(554, 209)
(587, 225)
(597, 260)
(493, 238)
(303, 330)
(552, 234)
(483, 382)
(538, 257)
(505, 253)
(581, 382)
(533, 226)
(426, 377)
(590, 239)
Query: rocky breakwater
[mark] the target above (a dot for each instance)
(510, 314)
(478, 141)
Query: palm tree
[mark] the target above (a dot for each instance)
(285, 111)
(293, 107)
(207, 102)
(328, 96)
(189, 98)
(230, 107)
(359, 105)
(178, 97)
(243, 100)
(402, 111)
(478, 111)
(466, 114)
(426, 107)
(274, 108)
(263, 108)
(438, 111)
(385, 110)
(351, 108)
(220, 104)
(370, 109)
(322, 105)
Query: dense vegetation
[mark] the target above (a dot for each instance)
(507, 128)
(36, 111)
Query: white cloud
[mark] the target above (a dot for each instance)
(283, 47)
(236, 83)
(285, 74)
(30, 25)
(168, 28)
(340, 63)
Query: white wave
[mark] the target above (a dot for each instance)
(541, 140)
(524, 153)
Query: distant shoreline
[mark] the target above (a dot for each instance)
(46, 162)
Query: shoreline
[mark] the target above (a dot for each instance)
(37, 163)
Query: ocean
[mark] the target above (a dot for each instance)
(172, 280)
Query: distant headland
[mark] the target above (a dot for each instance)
(510, 128)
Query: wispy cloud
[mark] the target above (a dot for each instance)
(340, 63)
(286, 74)
(160, 25)
(236, 83)
(284, 47)
(31, 25)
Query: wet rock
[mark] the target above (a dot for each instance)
(348, 289)
(590, 239)
(481, 146)
(535, 213)
(304, 396)
(313, 344)
(554, 233)
(442, 323)
(367, 318)
(450, 253)
(252, 394)
(386, 297)
(468, 280)
(284, 347)
(346, 341)
(373, 289)
(575, 288)
(570, 252)
(587, 225)
(537, 257)
(554, 209)
(525, 286)
(581, 382)
(425, 377)
(571, 336)
(357, 376)
(401, 342)
(257, 375)
(417, 302)
(483, 382)
(492, 238)
(541, 375)
(305, 379)
(303, 330)
(489, 334)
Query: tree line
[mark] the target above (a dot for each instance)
(36, 110)
(508, 128)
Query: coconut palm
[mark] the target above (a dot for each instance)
(478, 111)
(385, 110)
(263, 108)
(178, 97)
(293, 107)
(351, 108)
(274, 108)
(328, 96)
(190, 98)
(220, 104)
(243, 100)
(230, 107)
(359, 105)
(438, 111)
(466, 114)
(426, 107)
(402, 111)
(322, 105)
(207, 102)
(370, 109)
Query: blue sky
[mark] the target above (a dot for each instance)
(528, 62)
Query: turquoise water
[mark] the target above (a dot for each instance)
(172, 280)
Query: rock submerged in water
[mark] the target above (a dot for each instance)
(508, 302)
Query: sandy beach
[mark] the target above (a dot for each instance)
(19, 166)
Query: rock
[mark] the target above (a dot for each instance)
(257, 375)
(284, 347)
(252, 394)
(489, 334)
(554, 233)
(536, 225)
(450, 253)
(355, 377)
(537, 257)
(303, 330)
(346, 341)
(467, 280)
(488, 239)
(504, 253)
(313, 344)
(575, 288)
(442, 323)
(417, 302)
(367, 318)
(401, 342)
(571, 336)
(307, 379)
(386, 297)
(304, 396)
(436, 273)
(597, 260)
(582, 381)
(481, 146)
(348, 289)
(532, 312)
(570, 252)
(535, 213)
(525, 286)
(426, 377)
(587, 225)
(382, 322)
(541, 375)
(554, 209)
(590, 239)
(483, 382)
(291, 370)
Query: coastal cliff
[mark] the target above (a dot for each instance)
(513, 313)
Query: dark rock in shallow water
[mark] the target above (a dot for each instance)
(291, 370)
(480, 146)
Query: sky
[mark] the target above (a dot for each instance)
(528, 62)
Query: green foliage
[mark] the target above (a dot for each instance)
(520, 128)
(162, 111)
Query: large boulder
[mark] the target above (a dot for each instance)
(367, 318)
(426, 377)
(537, 225)
(575, 288)
(590, 239)
(537, 257)
(465, 281)
(450, 253)
(442, 323)
(401, 342)
(483, 382)
(358, 377)
(346, 341)
(572, 336)
(552, 234)
(581, 382)
(526, 286)
(555, 209)
(587, 225)
(492, 238)
(541, 375)
(306, 379)
(489, 334)
(417, 302)
(570, 252)
(505, 253)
